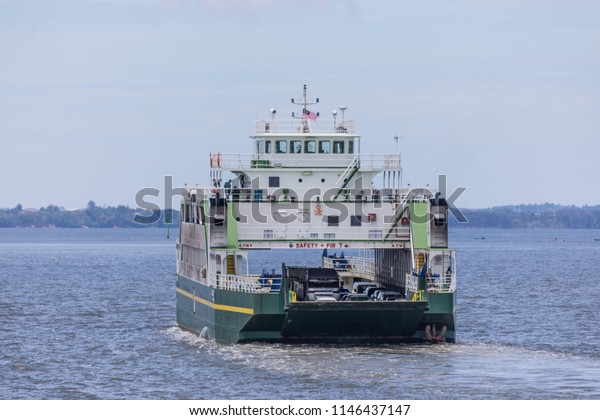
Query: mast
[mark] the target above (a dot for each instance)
(306, 114)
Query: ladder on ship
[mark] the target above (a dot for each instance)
(347, 176)
(230, 265)
(402, 209)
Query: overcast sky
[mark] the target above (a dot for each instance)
(100, 98)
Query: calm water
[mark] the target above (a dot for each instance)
(90, 314)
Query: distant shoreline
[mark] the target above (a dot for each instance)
(531, 216)
(524, 216)
(92, 216)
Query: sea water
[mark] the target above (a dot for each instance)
(90, 314)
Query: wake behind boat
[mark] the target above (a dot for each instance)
(386, 273)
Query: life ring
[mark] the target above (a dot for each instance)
(404, 221)
(211, 159)
(219, 159)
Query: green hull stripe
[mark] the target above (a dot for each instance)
(218, 307)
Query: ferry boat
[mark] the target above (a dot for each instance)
(382, 271)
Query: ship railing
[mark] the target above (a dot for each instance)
(240, 161)
(305, 126)
(433, 284)
(357, 266)
(398, 196)
(248, 283)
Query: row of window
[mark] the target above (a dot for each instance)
(373, 234)
(194, 214)
(310, 146)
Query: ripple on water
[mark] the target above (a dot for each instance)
(85, 319)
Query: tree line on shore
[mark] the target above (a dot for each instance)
(504, 217)
(548, 216)
(93, 216)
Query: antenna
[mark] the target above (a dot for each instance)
(304, 103)
(334, 113)
(343, 108)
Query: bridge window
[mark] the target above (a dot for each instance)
(351, 146)
(296, 146)
(324, 146)
(333, 220)
(338, 147)
(281, 146)
(268, 146)
(310, 146)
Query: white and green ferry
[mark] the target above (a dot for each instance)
(382, 271)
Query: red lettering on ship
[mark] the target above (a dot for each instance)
(319, 245)
(306, 245)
